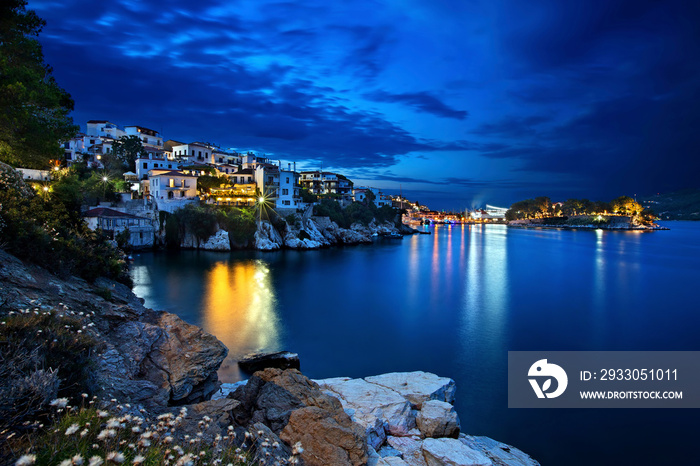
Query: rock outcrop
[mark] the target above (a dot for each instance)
(409, 419)
(403, 418)
(267, 238)
(150, 358)
(438, 419)
(219, 241)
(297, 410)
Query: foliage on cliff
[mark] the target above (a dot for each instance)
(34, 109)
(203, 221)
(354, 213)
(45, 228)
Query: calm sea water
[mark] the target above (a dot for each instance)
(454, 303)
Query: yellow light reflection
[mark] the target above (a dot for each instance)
(240, 309)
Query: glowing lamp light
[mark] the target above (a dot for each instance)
(46, 188)
(261, 200)
(104, 178)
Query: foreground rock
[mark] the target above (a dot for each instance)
(296, 410)
(219, 241)
(438, 419)
(150, 358)
(408, 419)
(448, 451)
(259, 361)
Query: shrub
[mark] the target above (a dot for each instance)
(48, 231)
(354, 213)
(239, 223)
(199, 221)
(44, 355)
(112, 435)
(293, 219)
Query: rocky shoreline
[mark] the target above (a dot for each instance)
(407, 418)
(311, 233)
(156, 362)
(584, 222)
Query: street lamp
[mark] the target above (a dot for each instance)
(261, 203)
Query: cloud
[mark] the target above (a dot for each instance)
(603, 94)
(514, 126)
(422, 101)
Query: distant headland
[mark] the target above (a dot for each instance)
(622, 213)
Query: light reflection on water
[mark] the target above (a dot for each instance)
(239, 306)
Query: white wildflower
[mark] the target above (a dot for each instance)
(138, 459)
(102, 414)
(77, 460)
(107, 433)
(186, 460)
(72, 429)
(113, 423)
(60, 402)
(115, 456)
(95, 461)
(26, 460)
(65, 463)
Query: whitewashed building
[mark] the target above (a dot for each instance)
(113, 222)
(145, 165)
(320, 182)
(171, 184)
(104, 128)
(192, 152)
(360, 194)
(149, 137)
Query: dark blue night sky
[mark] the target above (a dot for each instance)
(458, 103)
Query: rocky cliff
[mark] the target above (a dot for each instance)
(146, 357)
(307, 233)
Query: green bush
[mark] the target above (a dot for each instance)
(354, 213)
(45, 229)
(199, 221)
(239, 223)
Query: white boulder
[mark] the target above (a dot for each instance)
(410, 448)
(370, 401)
(417, 387)
(500, 453)
(438, 419)
(452, 452)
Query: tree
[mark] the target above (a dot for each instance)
(206, 182)
(369, 197)
(308, 197)
(127, 149)
(626, 205)
(34, 109)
